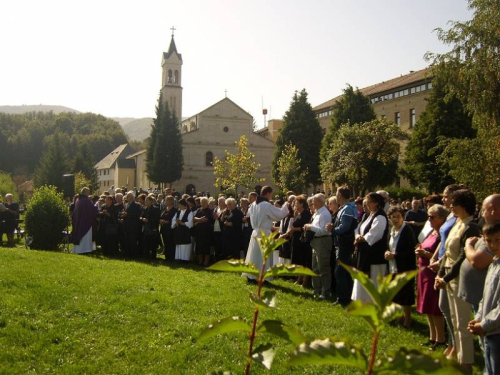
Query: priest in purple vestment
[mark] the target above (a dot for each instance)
(84, 216)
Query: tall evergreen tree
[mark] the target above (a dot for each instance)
(164, 160)
(53, 165)
(151, 168)
(443, 119)
(302, 129)
(84, 163)
(353, 108)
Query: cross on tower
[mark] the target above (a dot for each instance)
(173, 29)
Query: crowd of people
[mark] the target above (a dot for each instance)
(453, 240)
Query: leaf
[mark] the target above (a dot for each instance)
(328, 352)
(391, 312)
(267, 300)
(288, 270)
(366, 282)
(275, 327)
(368, 311)
(264, 354)
(234, 265)
(390, 291)
(230, 324)
(414, 362)
(268, 243)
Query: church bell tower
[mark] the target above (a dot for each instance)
(171, 88)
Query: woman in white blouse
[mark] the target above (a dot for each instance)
(181, 223)
(371, 244)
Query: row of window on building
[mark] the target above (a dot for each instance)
(324, 114)
(104, 183)
(401, 93)
(104, 172)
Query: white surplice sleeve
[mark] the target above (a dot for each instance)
(189, 223)
(276, 213)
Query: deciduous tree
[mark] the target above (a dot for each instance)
(353, 107)
(364, 156)
(238, 169)
(291, 177)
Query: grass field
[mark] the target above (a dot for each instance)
(71, 314)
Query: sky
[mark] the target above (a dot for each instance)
(105, 56)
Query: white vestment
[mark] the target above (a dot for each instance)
(262, 216)
(85, 245)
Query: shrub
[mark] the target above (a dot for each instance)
(47, 215)
(405, 193)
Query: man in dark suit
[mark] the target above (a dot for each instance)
(131, 225)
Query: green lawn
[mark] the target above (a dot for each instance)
(64, 313)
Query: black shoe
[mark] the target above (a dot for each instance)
(251, 281)
(344, 304)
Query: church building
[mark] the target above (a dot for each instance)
(205, 135)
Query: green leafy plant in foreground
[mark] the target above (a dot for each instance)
(377, 313)
(264, 353)
(328, 351)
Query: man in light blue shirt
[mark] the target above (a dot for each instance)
(343, 239)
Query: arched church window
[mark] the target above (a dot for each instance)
(209, 159)
(184, 129)
(176, 76)
(170, 76)
(192, 125)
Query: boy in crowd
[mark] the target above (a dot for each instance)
(487, 319)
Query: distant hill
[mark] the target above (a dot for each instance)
(123, 120)
(19, 109)
(138, 129)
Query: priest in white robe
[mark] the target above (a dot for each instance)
(262, 215)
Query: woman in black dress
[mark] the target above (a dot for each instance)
(371, 244)
(301, 251)
(247, 227)
(108, 227)
(401, 258)
(233, 230)
(150, 222)
(203, 228)
(10, 216)
(166, 232)
(285, 250)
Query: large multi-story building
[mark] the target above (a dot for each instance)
(400, 99)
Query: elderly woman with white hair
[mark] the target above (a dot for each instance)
(10, 214)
